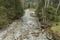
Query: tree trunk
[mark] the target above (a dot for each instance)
(57, 10)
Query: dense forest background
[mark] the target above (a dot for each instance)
(10, 10)
(47, 11)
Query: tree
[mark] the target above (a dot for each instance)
(10, 10)
(48, 10)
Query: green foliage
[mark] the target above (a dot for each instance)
(3, 17)
(48, 11)
(10, 10)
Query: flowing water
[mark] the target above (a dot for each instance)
(32, 26)
(28, 29)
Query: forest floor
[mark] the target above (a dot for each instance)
(56, 28)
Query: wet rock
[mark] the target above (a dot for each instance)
(19, 38)
(33, 14)
(36, 34)
(25, 34)
(35, 26)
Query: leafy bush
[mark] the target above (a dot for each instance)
(10, 10)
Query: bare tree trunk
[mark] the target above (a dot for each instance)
(48, 3)
(51, 3)
(57, 9)
(23, 3)
(44, 11)
(58, 6)
(43, 15)
(37, 3)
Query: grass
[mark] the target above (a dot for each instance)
(56, 28)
